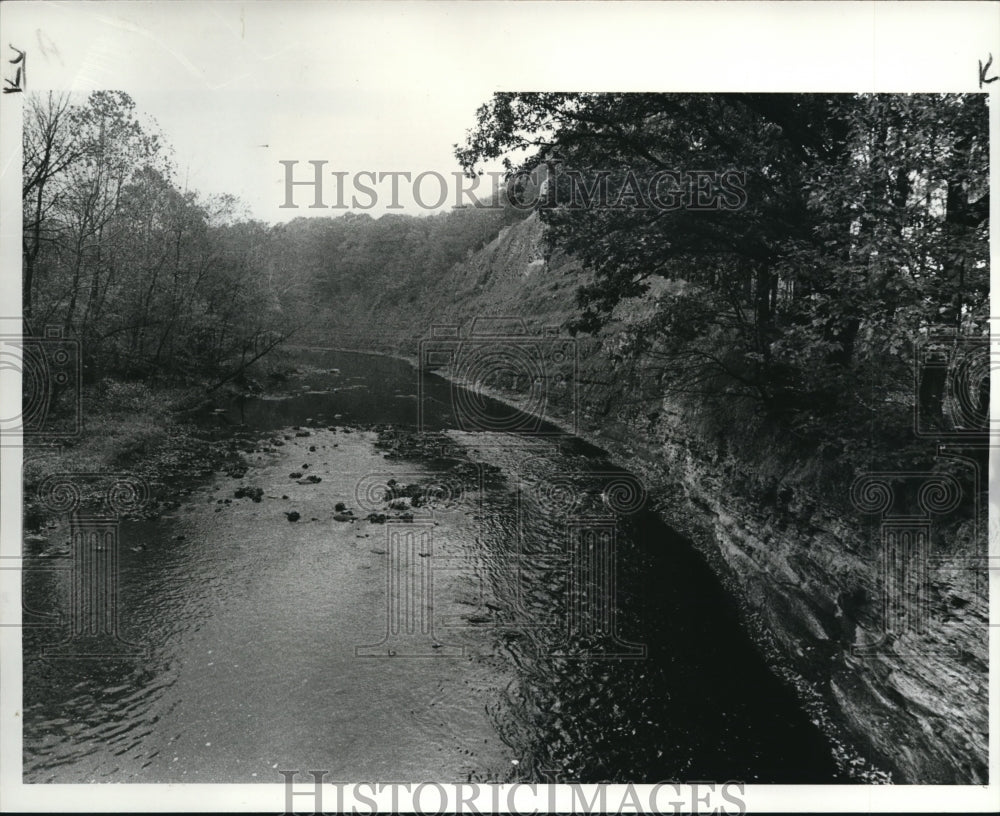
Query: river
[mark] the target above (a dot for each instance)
(518, 615)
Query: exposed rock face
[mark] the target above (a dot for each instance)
(916, 703)
(805, 567)
(809, 573)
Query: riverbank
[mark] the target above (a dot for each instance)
(158, 433)
(137, 429)
(909, 708)
(804, 576)
(665, 497)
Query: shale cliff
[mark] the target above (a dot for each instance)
(876, 615)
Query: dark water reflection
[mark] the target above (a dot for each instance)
(370, 388)
(250, 623)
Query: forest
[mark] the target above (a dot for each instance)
(160, 283)
(863, 244)
(152, 279)
(858, 251)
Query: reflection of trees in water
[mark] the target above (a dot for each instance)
(701, 703)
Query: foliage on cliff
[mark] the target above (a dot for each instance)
(857, 232)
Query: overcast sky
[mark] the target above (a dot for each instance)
(238, 87)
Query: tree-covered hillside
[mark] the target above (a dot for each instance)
(787, 264)
(852, 238)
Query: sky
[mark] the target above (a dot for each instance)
(237, 88)
(391, 87)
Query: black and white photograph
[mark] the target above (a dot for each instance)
(497, 407)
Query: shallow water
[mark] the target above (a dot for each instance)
(560, 630)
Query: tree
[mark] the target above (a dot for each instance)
(862, 228)
(153, 279)
(49, 150)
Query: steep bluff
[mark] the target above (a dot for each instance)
(806, 565)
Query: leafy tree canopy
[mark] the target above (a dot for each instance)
(860, 230)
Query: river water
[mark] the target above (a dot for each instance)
(519, 615)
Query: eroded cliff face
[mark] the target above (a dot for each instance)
(892, 662)
(899, 698)
(814, 588)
